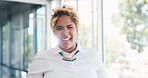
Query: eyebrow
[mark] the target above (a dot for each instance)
(69, 25)
(58, 26)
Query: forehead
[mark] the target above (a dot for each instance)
(64, 20)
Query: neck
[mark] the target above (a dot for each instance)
(70, 50)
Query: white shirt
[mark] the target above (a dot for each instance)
(50, 64)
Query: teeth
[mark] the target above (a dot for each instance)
(66, 39)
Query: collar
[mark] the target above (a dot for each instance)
(57, 49)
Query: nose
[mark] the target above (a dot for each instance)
(65, 32)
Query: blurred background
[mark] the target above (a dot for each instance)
(117, 29)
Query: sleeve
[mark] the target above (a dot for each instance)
(101, 70)
(101, 74)
(35, 68)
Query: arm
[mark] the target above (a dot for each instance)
(35, 69)
(101, 74)
(101, 70)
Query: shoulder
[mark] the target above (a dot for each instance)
(39, 61)
(91, 53)
(45, 54)
(88, 50)
(41, 58)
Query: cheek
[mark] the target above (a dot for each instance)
(74, 34)
(57, 34)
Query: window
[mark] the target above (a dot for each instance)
(87, 13)
(23, 34)
(125, 36)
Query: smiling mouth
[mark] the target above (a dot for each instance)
(66, 40)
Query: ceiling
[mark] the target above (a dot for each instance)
(7, 9)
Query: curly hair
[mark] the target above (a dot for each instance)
(63, 10)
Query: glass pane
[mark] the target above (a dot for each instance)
(5, 44)
(72, 3)
(30, 37)
(0, 44)
(15, 73)
(26, 48)
(85, 10)
(53, 40)
(0, 71)
(28, 41)
(126, 38)
(22, 30)
(95, 24)
(16, 41)
(5, 72)
(41, 29)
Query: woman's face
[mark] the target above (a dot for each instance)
(65, 30)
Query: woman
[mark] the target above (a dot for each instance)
(68, 59)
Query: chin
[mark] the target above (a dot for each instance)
(65, 46)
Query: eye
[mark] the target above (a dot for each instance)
(70, 27)
(58, 28)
